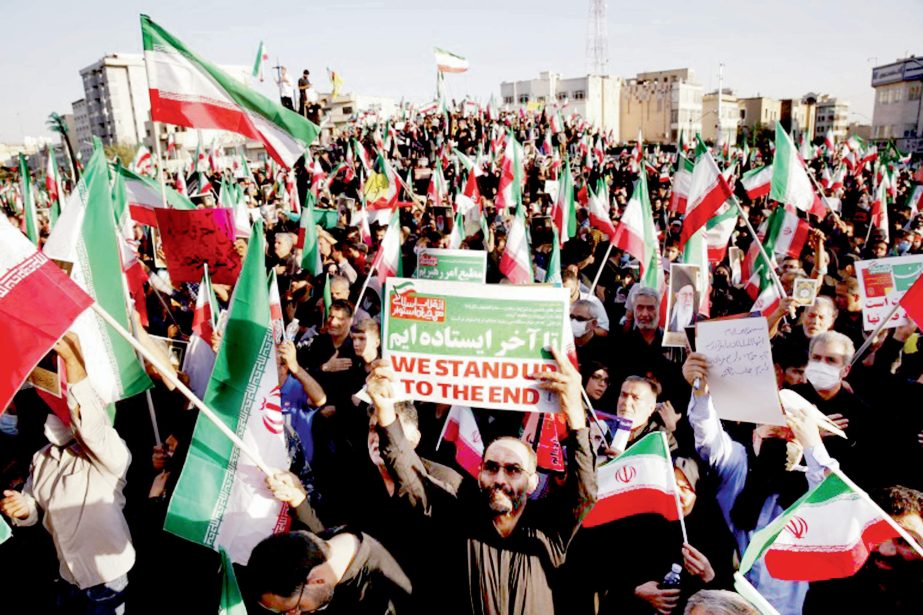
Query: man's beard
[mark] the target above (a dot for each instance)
(503, 501)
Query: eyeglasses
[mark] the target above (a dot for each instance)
(295, 610)
(512, 470)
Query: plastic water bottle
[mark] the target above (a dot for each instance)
(672, 578)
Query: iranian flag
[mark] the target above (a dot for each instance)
(187, 90)
(448, 62)
(758, 181)
(786, 233)
(437, 185)
(29, 215)
(827, 534)
(199, 359)
(85, 239)
(790, 183)
(718, 231)
(564, 210)
(461, 429)
(389, 262)
(38, 303)
(639, 481)
(880, 211)
(516, 262)
(221, 499)
(510, 183)
(707, 193)
(143, 162)
(912, 302)
(914, 201)
(598, 209)
(637, 235)
(695, 252)
(52, 184)
(144, 196)
(682, 180)
(307, 239)
(458, 232)
(262, 56)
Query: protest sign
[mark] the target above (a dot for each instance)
(804, 291)
(882, 283)
(473, 344)
(452, 265)
(192, 238)
(741, 377)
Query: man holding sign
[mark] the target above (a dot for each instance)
(504, 553)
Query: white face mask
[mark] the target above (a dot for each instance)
(579, 328)
(57, 432)
(823, 376)
(9, 424)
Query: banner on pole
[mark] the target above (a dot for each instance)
(473, 344)
(192, 238)
(452, 265)
(882, 283)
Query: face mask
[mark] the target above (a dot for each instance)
(57, 432)
(579, 328)
(903, 247)
(822, 376)
(9, 424)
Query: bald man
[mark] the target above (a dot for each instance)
(500, 551)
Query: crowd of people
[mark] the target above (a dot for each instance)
(382, 521)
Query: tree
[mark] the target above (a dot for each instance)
(56, 123)
(124, 152)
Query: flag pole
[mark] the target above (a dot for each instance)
(865, 498)
(365, 286)
(601, 266)
(759, 244)
(679, 507)
(156, 131)
(754, 597)
(871, 337)
(167, 375)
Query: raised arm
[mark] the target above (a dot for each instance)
(413, 484)
(88, 414)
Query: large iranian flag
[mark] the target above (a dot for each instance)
(510, 185)
(790, 183)
(199, 359)
(637, 235)
(38, 303)
(639, 481)
(187, 90)
(827, 534)
(221, 499)
(598, 209)
(719, 229)
(144, 196)
(85, 240)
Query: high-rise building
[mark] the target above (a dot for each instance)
(116, 97)
(660, 104)
(898, 110)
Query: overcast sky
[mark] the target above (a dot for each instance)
(782, 48)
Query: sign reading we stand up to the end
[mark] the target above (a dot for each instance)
(473, 344)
